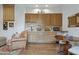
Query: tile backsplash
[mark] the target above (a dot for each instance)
(40, 27)
(34, 27)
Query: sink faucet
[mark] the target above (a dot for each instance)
(31, 28)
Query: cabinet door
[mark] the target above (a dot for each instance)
(27, 17)
(46, 19)
(77, 19)
(31, 17)
(56, 19)
(8, 12)
(52, 18)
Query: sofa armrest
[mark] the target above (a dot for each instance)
(74, 43)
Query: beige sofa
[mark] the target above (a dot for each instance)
(18, 42)
(2, 41)
(75, 41)
(15, 45)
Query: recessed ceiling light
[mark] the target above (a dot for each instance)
(36, 5)
(46, 5)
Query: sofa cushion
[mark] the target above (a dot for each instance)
(74, 50)
(2, 41)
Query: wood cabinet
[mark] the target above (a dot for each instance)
(56, 19)
(77, 21)
(8, 12)
(8, 16)
(46, 19)
(72, 21)
(31, 17)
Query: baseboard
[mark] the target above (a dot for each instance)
(41, 43)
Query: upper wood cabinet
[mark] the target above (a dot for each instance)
(72, 21)
(8, 12)
(56, 19)
(46, 19)
(31, 17)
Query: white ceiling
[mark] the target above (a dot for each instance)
(49, 8)
(43, 5)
